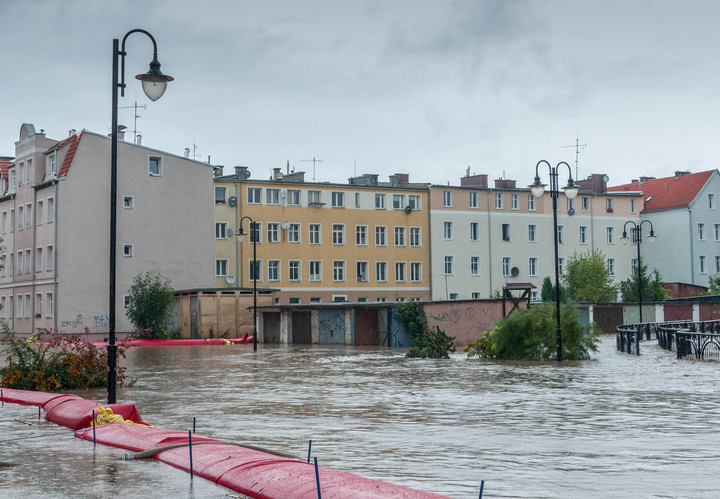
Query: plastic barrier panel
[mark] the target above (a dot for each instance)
(76, 413)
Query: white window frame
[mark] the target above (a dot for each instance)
(221, 230)
(254, 195)
(381, 271)
(273, 232)
(447, 199)
(585, 204)
(338, 234)
(40, 212)
(531, 202)
(449, 265)
(415, 237)
(400, 271)
(293, 233)
(532, 233)
(611, 267)
(701, 231)
(361, 271)
(315, 271)
(414, 202)
(702, 264)
(515, 202)
(498, 201)
(315, 234)
(337, 199)
(610, 235)
(473, 199)
(582, 234)
(220, 194)
(448, 231)
(293, 197)
(155, 166)
(381, 236)
(273, 270)
(474, 231)
(415, 271)
(338, 270)
(128, 251)
(294, 270)
(272, 196)
(128, 203)
(361, 235)
(506, 266)
(399, 236)
(398, 202)
(221, 267)
(379, 201)
(475, 265)
(533, 266)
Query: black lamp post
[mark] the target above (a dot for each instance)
(637, 230)
(571, 190)
(154, 84)
(254, 237)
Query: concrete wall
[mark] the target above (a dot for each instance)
(465, 320)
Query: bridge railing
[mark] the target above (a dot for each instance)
(701, 339)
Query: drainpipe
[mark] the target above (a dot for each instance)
(55, 257)
(490, 262)
(237, 246)
(13, 228)
(430, 259)
(692, 254)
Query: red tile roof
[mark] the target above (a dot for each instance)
(74, 141)
(669, 192)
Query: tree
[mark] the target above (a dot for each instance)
(714, 285)
(427, 344)
(151, 302)
(547, 292)
(588, 279)
(652, 289)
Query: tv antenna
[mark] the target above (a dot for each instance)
(577, 147)
(136, 107)
(314, 160)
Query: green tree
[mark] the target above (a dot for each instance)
(547, 292)
(588, 279)
(151, 302)
(427, 344)
(652, 289)
(714, 285)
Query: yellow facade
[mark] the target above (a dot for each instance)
(325, 242)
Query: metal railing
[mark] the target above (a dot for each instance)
(701, 339)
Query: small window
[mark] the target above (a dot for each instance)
(380, 235)
(273, 270)
(128, 250)
(314, 232)
(220, 195)
(253, 196)
(585, 204)
(399, 236)
(611, 266)
(379, 201)
(506, 266)
(531, 202)
(515, 202)
(583, 234)
(338, 199)
(338, 271)
(632, 206)
(416, 272)
(155, 167)
(506, 232)
(315, 271)
(294, 233)
(701, 231)
(293, 197)
(221, 229)
(272, 196)
(314, 198)
(294, 270)
(449, 265)
(473, 200)
(398, 202)
(361, 270)
(273, 231)
(711, 201)
(447, 199)
(610, 235)
(498, 201)
(381, 271)
(454, 296)
(361, 235)
(357, 200)
(474, 265)
(126, 301)
(532, 266)
(609, 205)
(338, 234)
(532, 233)
(561, 234)
(447, 231)
(474, 231)
(50, 210)
(702, 268)
(128, 203)
(414, 237)
(414, 202)
(221, 268)
(400, 268)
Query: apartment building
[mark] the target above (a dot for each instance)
(486, 237)
(54, 224)
(364, 241)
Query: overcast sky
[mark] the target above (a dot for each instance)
(426, 87)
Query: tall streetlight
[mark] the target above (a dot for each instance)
(154, 84)
(254, 238)
(571, 190)
(637, 231)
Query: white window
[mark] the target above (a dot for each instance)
(416, 272)
(21, 174)
(255, 273)
(52, 163)
(475, 295)
(338, 234)
(610, 235)
(399, 236)
(474, 265)
(256, 232)
(447, 231)
(314, 198)
(19, 260)
(711, 201)
(449, 265)
(221, 230)
(447, 199)
(361, 271)
(498, 201)
(19, 306)
(128, 203)
(506, 266)
(338, 271)
(717, 232)
(294, 272)
(398, 202)
(609, 205)
(12, 177)
(314, 233)
(39, 259)
(414, 237)
(38, 305)
(293, 197)
(50, 210)
(28, 305)
(272, 196)
(29, 172)
(28, 261)
(315, 270)
(3, 222)
(634, 265)
(515, 202)
(531, 202)
(253, 195)
(28, 215)
(155, 167)
(273, 231)
(361, 235)
(701, 231)
(220, 195)
(561, 265)
(3, 309)
(474, 231)
(380, 235)
(127, 250)
(414, 202)
(583, 234)
(400, 272)
(273, 270)
(20, 217)
(454, 296)
(532, 266)
(701, 266)
(717, 264)
(561, 234)
(505, 232)
(379, 201)
(586, 204)
(633, 209)
(357, 200)
(532, 233)
(40, 213)
(473, 200)
(611, 266)
(338, 199)
(381, 271)
(221, 268)
(294, 233)
(50, 258)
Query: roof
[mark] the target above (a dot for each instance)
(73, 141)
(669, 192)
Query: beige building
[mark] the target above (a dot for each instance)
(54, 220)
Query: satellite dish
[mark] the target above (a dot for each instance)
(246, 174)
(229, 232)
(408, 209)
(232, 201)
(285, 224)
(606, 178)
(230, 279)
(515, 272)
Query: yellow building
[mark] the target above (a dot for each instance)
(319, 242)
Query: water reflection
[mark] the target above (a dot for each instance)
(618, 425)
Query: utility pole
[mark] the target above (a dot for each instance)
(313, 162)
(577, 147)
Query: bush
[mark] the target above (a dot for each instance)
(530, 335)
(427, 344)
(61, 362)
(151, 302)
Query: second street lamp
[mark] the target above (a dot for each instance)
(253, 240)
(637, 232)
(571, 191)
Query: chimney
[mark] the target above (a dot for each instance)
(474, 180)
(503, 183)
(72, 131)
(394, 180)
(366, 179)
(241, 172)
(139, 139)
(645, 179)
(187, 152)
(680, 173)
(403, 178)
(596, 182)
(277, 174)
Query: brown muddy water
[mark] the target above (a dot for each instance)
(615, 426)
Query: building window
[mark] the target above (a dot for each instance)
(338, 234)
(294, 270)
(220, 195)
(314, 234)
(474, 265)
(357, 200)
(447, 199)
(39, 213)
(561, 265)
(532, 266)
(611, 266)
(711, 201)
(515, 202)
(361, 235)
(52, 163)
(449, 265)
(338, 199)
(128, 204)
(294, 233)
(447, 231)
(498, 201)
(273, 231)
(221, 229)
(273, 270)
(272, 196)
(633, 209)
(570, 205)
(506, 266)
(416, 272)
(475, 295)
(414, 237)
(338, 271)
(701, 261)
(531, 202)
(583, 234)
(361, 271)
(381, 271)
(561, 234)
(314, 198)
(399, 236)
(586, 204)
(50, 210)
(379, 201)
(701, 231)
(717, 232)
(505, 232)
(717, 264)
(609, 205)
(28, 305)
(315, 270)
(127, 250)
(28, 215)
(398, 202)
(253, 196)
(155, 167)
(221, 268)
(380, 235)
(400, 272)
(50, 258)
(610, 235)
(454, 296)
(414, 202)
(473, 200)
(474, 231)
(255, 232)
(29, 172)
(28, 261)
(293, 197)
(20, 217)
(532, 233)
(3, 222)
(11, 174)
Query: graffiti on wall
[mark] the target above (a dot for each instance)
(332, 323)
(97, 321)
(465, 322)
(72, 324)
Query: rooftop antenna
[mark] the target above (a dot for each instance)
(136, 107)
(577, 147)
(195, 154)
(314, 160)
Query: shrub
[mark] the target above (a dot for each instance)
(427, 344)
(151, 302)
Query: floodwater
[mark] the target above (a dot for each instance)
(615, 426)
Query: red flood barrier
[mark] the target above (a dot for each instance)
(76, 413)
(138, 438)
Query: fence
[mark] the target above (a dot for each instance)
(701, 339)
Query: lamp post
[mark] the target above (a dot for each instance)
(637, 230)
(571, 190)
(154, 84)
(254, 237)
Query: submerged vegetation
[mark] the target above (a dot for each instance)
(427, 343)
(531, 335)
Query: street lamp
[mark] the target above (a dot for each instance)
(154, 84)
(637, 230)
(254, 238)
(571, 190)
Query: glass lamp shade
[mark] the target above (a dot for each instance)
(241, 236)
(537, 189)
(571, 191)
(652, 238)
(154, 82)
(624, 238)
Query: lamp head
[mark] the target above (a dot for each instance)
(154, 82)
(624, 238)
(571, 190)
(652, 237)
(241, 235)
(537, 188)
